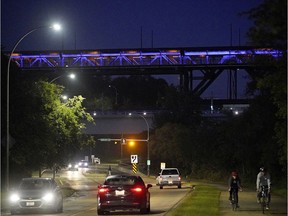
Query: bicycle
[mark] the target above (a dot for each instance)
(234, 198)
(264, 198)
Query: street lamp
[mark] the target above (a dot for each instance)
(64, 97)
(147, 140)
(116, 93)
(71, 76)
(56, 27)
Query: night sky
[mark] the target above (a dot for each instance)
(113, 24)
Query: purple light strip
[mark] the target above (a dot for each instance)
(186, 53)
(167, 57)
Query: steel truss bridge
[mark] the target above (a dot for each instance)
(197, 68)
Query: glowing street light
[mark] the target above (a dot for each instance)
(56, 27)
(131, 143)
(71, 76)
(64, 97)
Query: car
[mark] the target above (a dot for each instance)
(169, 177)
(123, 192)
(36, 194)
(73, 167)
(83, 164)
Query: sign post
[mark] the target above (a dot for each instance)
(134, 161)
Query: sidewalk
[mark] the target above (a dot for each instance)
(249, 206)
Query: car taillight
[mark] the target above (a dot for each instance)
(103, 190)
(137, 189)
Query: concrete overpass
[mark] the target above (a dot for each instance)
(118, 123)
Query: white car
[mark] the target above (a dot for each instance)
(73, 167)
(36, 194)
(169, 177)
(83, 164)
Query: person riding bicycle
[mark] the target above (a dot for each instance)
(234, 182)
(263, 179)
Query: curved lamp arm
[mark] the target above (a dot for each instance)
(56, 27)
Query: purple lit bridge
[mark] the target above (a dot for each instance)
(197, 68)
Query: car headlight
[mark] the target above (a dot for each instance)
(48, 197)
(70, 165)
(14, 197)
(86, 164)
(76, 166)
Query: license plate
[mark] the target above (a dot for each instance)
(30, 203)
(170, 182)
(119, 193)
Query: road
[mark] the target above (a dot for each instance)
(85, 182)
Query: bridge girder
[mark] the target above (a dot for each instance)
(210, 62)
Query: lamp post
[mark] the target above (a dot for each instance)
(55, 27)
(147, 140)
(71, 76)
(116, 93)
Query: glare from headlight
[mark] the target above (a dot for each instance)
(69, 165)
(14, 198)
(48, 197)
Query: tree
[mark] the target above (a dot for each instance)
(47, 131)
(270, 24)
(167, 145)
(270, 30)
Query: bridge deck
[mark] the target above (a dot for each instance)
(141, 57)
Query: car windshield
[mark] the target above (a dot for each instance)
(127, 180)
(34, 184)
(170, 172)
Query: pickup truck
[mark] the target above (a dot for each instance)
(169, 177)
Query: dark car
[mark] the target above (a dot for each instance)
(123, 192)
(36, 194)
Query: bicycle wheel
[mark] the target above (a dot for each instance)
(234, 206)
(234, 201)
(263, 204)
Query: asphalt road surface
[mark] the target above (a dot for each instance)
(85, 182)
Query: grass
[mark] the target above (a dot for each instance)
(204, 200)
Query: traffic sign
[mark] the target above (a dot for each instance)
(134, 159)
(148, 162)
(105, 139)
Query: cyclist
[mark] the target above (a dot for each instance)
(234, 182)
(263, 179)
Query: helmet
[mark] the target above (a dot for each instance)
(234, 173)
(262, 169)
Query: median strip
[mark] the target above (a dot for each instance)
(204, 200)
